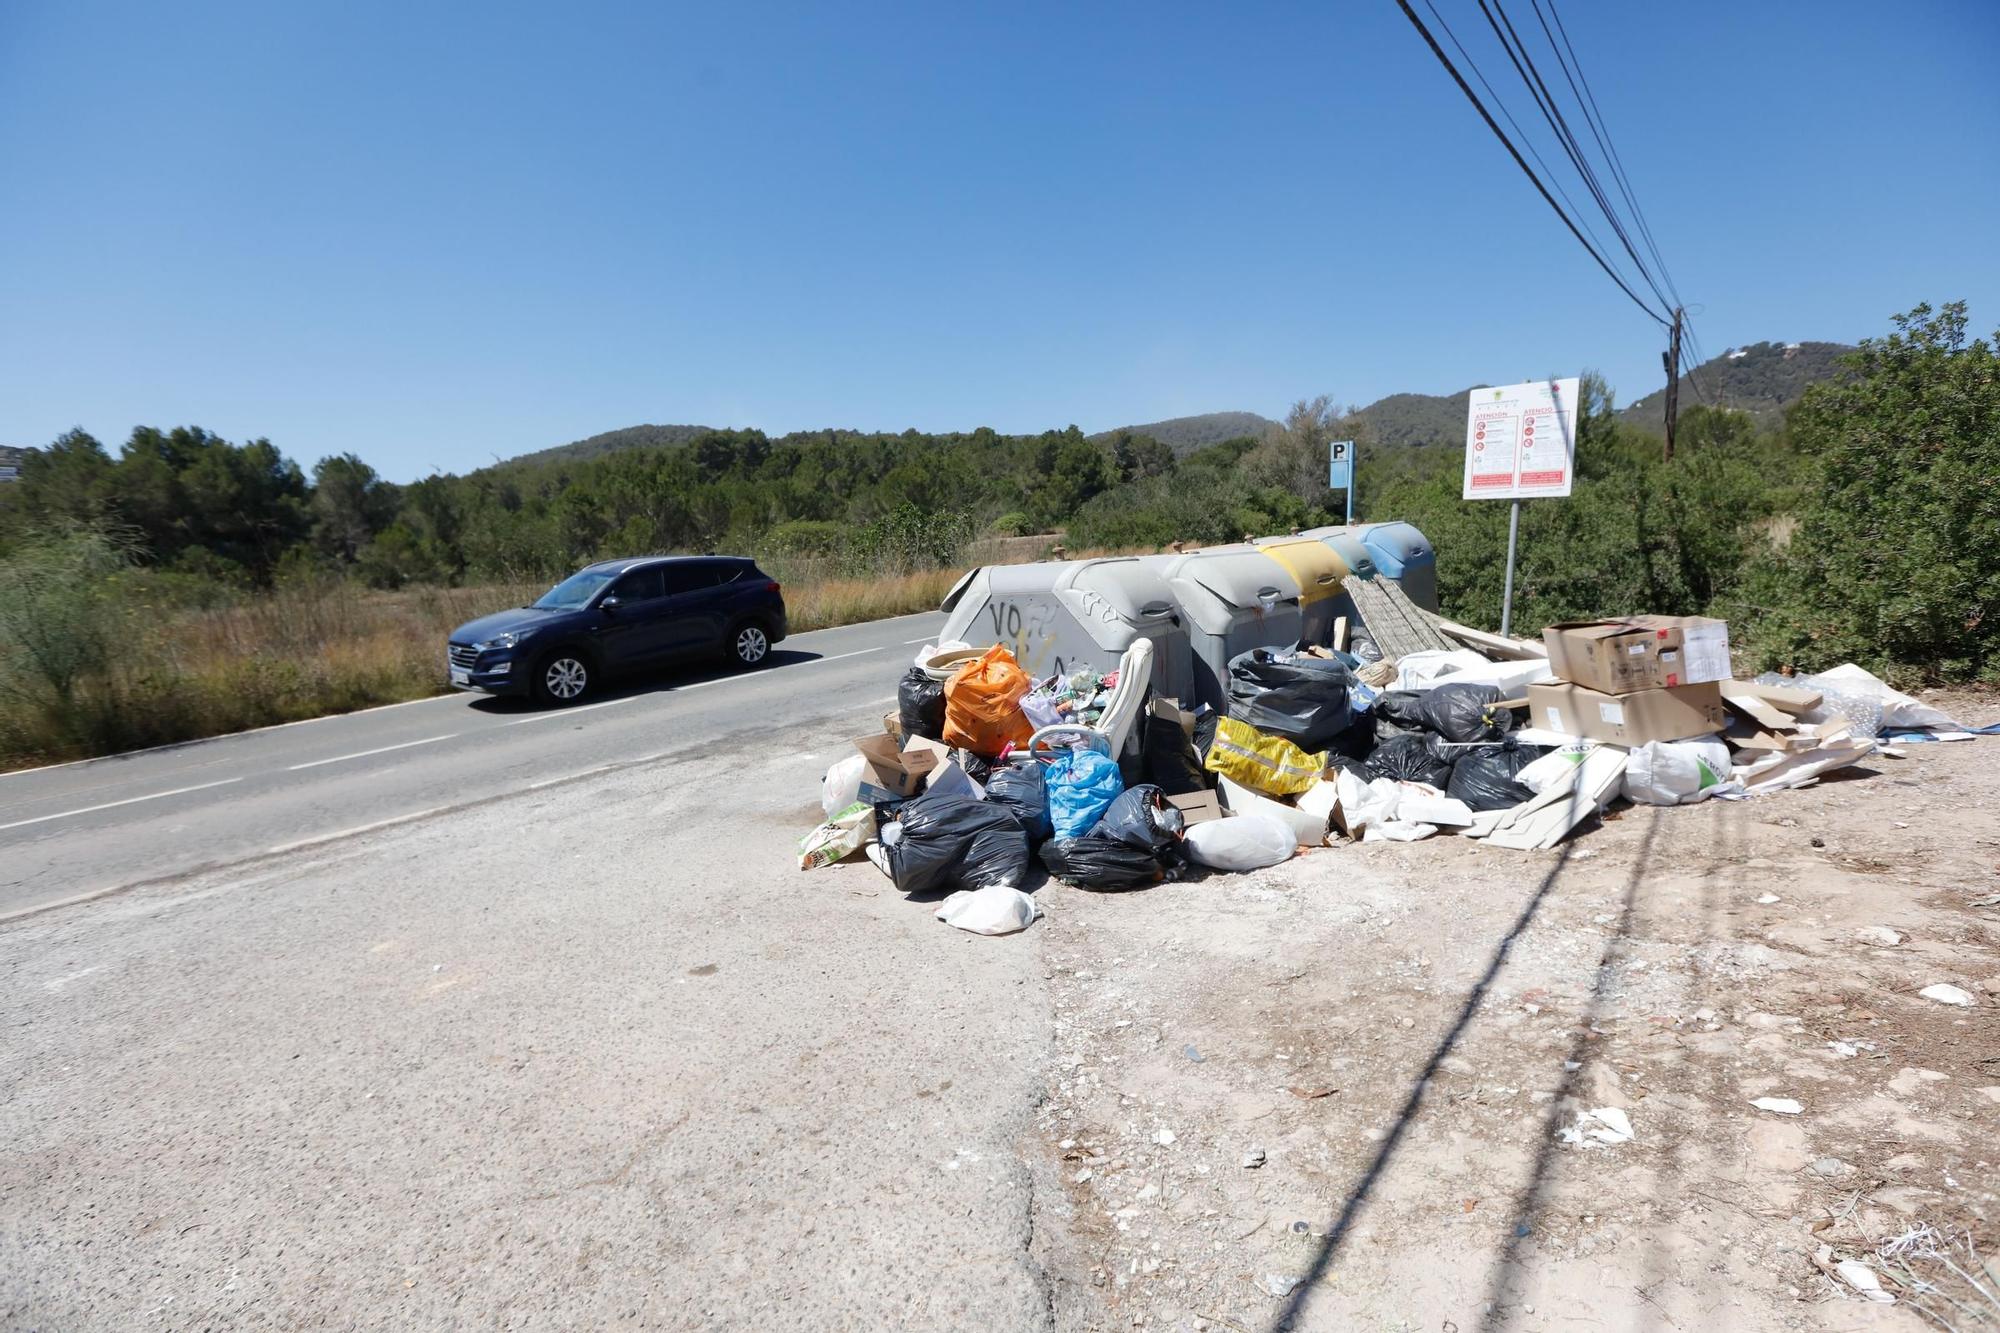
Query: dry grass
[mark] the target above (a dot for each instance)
(307, 651)
(332, 648)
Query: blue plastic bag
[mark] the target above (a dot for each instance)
(1080, 786)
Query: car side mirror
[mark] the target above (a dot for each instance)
(608, 604)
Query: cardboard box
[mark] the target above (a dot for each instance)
(1639, 652)
(1627, 719)
(1197, 807)
(891, 773)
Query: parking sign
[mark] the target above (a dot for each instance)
(1339, 464)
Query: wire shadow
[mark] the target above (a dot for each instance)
(1528, 1202)
(1336, 1236)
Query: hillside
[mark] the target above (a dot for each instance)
(1184, 435)
(1413, 420)
(1762, 379)
(613, 441)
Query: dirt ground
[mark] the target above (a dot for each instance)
(1401, 1033)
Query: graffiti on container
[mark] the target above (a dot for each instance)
(1028, 633)
(1097, 606)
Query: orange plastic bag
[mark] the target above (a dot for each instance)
(982, 704)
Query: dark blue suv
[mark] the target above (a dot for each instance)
(620, 616)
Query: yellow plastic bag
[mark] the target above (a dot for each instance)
(1269, 764)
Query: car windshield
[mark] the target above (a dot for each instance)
(574, 591)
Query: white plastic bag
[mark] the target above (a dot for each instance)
(1678, 772)
(1240, 842)
(993, 910)
(842, 785)
(1898, 708)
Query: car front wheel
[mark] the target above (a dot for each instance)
(749, 645)
(562, 678)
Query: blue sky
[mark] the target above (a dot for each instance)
(433, 234)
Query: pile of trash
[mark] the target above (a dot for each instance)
(982, 772)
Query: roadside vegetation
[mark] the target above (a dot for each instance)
(188, 586)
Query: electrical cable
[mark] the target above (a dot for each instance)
(1520, 161)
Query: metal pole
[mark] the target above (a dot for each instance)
(1507, 596)
(1350, 500)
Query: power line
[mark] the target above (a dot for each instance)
(1524, 65)
(1521, 162)
(1595, 118)
(1523, 135)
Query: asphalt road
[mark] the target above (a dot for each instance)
(577, 1054)
(82, 829)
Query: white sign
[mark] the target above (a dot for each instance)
(1520, 440)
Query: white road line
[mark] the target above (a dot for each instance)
(363, 754)
(226, 736)
(569, 777)
(555, 713)
(358, 828)
(928, 638)
(109, 805)
(724, 680)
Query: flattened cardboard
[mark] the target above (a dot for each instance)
(1197, 807)
(1788, 699)
(1627, 719)
(1639, 652)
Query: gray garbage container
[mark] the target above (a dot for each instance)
(1232, 599)
(1055, 617)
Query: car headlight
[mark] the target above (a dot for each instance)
(507, 640)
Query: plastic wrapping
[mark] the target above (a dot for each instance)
(1858, 703)
(1414, 758)
(1464, 712)
(920, 705)
(1019, 787)
(1102, 863)
(953, 843)
(1484, 777)
(1080, 786)
(1301, 699)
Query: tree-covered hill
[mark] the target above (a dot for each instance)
(1761, 379)
(1184, 435)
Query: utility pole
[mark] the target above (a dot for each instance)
(1672, 358)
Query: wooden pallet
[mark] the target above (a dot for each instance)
(1398, 625)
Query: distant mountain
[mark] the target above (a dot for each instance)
(1413, 420)
(1762, 379)
(1184, 435)
(612, 441)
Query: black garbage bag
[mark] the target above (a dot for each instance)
(1401, 709)
(1360, 738)
(1019, 788)
(1465, 713)
(1303, 699)
(920, 705)
(1412, 759)
(1141, 818)
(1171, 762)
(954, 842)
(1340, 763)
(1483, 776)
(1204, 733)
(1092, 862)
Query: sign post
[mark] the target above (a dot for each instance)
(1340, 471)
(1520, 444)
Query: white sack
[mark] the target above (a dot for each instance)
(1439, 666)
(1677, 772)
(1240, 842)
(993, 910)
